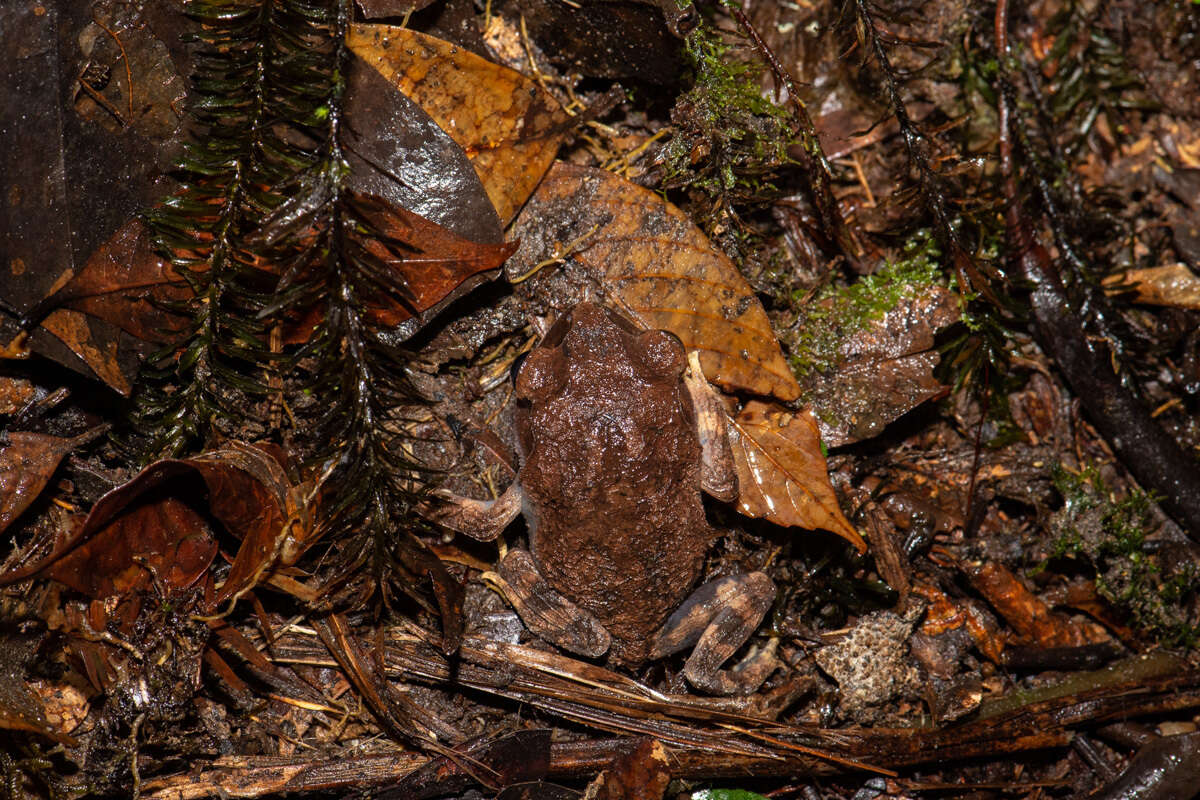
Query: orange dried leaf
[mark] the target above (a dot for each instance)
(508, 126)
(781, 470)
(1170, 285)
(655, 262)
(434, 265)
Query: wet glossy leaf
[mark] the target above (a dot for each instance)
(726, 794)
(781, 470)
(650, 259)
(397, 152)
(26, 464)
(508, 126)
(883, 370)
(431, 262)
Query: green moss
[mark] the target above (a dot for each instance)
(729, 140)
(841, 311)
(1108, 533)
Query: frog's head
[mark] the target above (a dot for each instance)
(592, 343)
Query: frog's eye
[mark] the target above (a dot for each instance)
(661, 353)
(543, 375)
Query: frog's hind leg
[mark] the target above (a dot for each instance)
(546, 612)
(718, 618)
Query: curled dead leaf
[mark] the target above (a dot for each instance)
(781, 470)
(248, 492)
(164, 542)
(508, 126)
(648, 257)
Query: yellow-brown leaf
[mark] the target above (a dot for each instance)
(653, 261)
(781, 470)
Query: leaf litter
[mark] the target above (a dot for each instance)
(216, 558)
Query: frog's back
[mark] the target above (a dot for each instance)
(612, 482)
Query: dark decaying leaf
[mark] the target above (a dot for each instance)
(71, 182)
(884, 370)
(26, 464)
(512, 758)
(605, 39)
(374, 9)
(248, 492)
(647, 257)
(397, 152)
(781, 470)
(642, 772)
(418, 559)
(125, 283)
(508, 126)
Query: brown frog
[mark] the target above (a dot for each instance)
(615, 452)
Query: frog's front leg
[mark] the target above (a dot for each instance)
(546, 612)
(480, 519)
(718, 619)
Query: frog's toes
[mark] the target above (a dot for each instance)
(546, 612)
(480, 519)
(718, 618)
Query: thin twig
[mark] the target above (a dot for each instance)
(124, 58)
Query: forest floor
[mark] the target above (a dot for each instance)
(281, 285)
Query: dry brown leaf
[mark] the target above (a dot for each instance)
(883, 370)
(1170, 285)
(508, 126)
(781, 470)
(652, 260)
